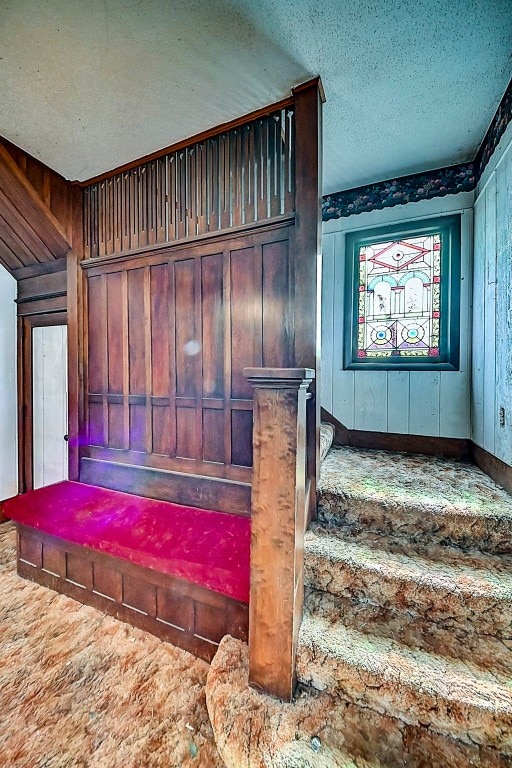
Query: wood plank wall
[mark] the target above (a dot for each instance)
(426, 403)
(491, 402)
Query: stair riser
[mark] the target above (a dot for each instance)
(468, 531)
(393, 696)
(416, 632)
(439, 605)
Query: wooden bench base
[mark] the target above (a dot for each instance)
(184, 614)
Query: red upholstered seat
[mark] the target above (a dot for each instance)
(204, 547)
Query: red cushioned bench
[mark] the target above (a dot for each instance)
(179, 572)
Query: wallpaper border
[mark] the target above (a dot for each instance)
(422, 186)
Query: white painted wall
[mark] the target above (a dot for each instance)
(8, 392)
(492, 299)
(50, 404)
(416, 402)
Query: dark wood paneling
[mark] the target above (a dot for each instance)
(246, 317)
(184, 614)
(29, 230)
(212, 326)
(116, 328)
(174, 338)
(42, 286)
(192, 490)
(227, 180)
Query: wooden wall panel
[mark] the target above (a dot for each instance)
(115, 332)
(246, 317)
(169, 337)
(212, 327)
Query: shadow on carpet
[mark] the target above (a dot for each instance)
(78, 688)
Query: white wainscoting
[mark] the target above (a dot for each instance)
(407, 402)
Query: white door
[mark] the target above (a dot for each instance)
(50, 404)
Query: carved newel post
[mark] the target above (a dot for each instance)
(278, 522)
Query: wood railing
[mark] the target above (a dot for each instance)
(279, 517)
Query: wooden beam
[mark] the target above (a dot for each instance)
(308, 167)
(23, 197)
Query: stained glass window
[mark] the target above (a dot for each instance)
(403, 295)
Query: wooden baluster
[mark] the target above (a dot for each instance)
(278, 520)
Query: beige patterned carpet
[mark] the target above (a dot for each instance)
(78, 688)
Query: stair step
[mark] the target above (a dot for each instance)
(419, 688)
(449, 594)
(326, 439)
(417, 632)
(428, 499)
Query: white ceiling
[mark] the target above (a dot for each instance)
(411, 85)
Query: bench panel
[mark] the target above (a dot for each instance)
(179, 612)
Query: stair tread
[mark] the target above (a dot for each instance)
(488, 582)
(476, 650)
(439, 676)
(398, 543)
(432, 485)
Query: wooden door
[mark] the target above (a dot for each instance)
(42, 378)
(49, 404)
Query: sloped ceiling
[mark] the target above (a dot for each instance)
(87, 85)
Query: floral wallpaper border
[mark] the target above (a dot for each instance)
(422, 186)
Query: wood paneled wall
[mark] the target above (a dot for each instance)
(169, 335)
(198, 263)
(237, 177)
(491, 402)
(55, 192)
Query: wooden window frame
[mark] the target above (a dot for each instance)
(449, 355)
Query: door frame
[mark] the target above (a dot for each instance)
(25, 393)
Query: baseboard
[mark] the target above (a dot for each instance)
(341, 433)
(500, 472)
(445, 447)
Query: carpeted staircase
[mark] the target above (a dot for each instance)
(409, 602)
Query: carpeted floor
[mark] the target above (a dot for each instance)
(78, 688)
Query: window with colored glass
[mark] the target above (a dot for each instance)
(403, 285)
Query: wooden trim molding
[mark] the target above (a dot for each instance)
(25, 391)
(444, 447)
(497, 470)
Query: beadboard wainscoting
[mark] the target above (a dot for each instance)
(434, 403)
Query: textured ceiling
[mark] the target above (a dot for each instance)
(86, 85)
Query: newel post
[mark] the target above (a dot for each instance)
(278, 522)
